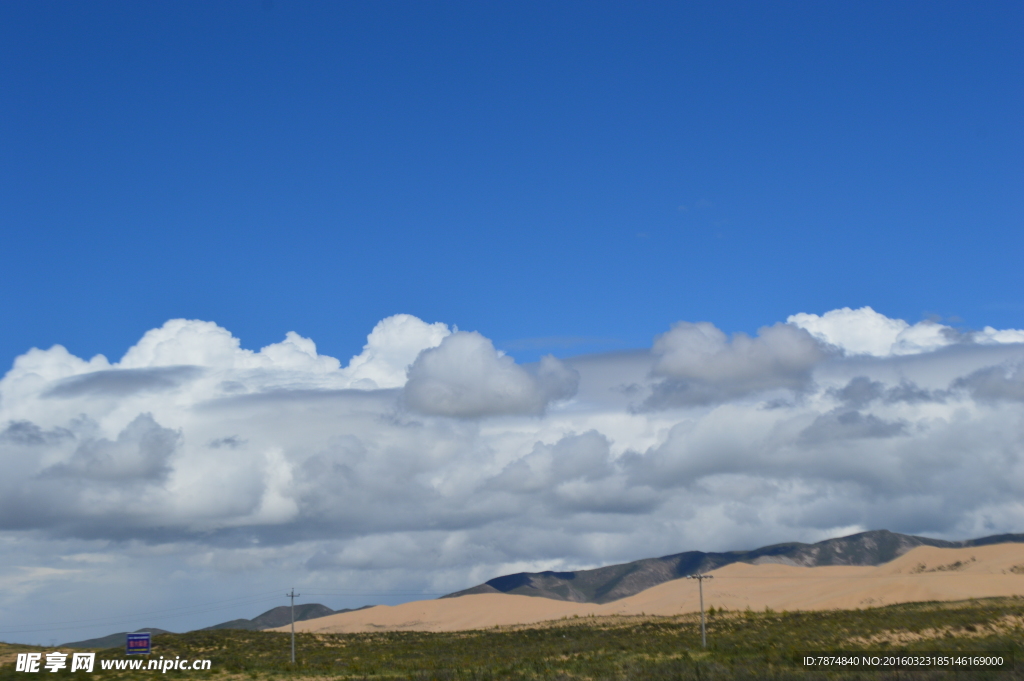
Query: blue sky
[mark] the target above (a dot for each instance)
(394, 298)
(529, 170)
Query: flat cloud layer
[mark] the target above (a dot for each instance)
(432, 461)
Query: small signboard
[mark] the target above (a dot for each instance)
(138, 644)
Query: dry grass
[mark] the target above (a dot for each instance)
(743, 645)
(1006, 625)
(9, 651)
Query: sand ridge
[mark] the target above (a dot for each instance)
(923, 574)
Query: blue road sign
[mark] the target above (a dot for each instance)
(138, 644)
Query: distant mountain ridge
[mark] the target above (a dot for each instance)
(606, 584)
(111, 640)
(275, 617)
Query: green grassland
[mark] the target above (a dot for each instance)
(741, 645)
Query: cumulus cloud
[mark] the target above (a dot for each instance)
(390, 350)
(989, 335)
(701, 365)
(432, 461)
(76, 481)
(841, 425)
(866, 332)
(140, 452)
(862, 391)
(182, 351)
(466, 377)
(995, 383)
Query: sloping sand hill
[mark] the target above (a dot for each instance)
(923, 574)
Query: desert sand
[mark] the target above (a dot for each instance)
(922, 574)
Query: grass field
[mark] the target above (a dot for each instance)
(741, 645)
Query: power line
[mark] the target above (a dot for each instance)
(292, 596)
(700, 583)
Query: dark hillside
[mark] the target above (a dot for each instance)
(605, 584)
(275, 617)
(112, 640)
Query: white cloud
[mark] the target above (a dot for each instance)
(864, 331)
(466, 377)
(703, 365)
(432, 461)
(390, 350)
(861, 331)
(990, 335)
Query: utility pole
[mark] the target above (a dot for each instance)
(700, 583)
(293, 596)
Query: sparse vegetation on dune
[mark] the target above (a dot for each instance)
(9, 652)
(742, 645)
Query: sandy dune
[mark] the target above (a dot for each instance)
(923, 574)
